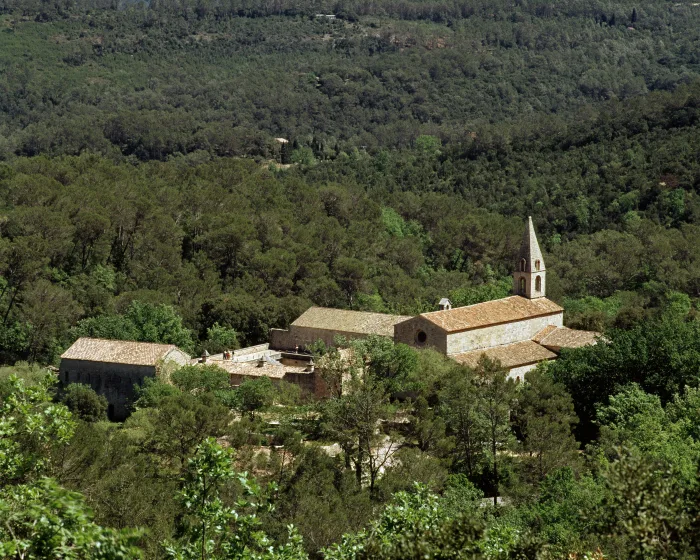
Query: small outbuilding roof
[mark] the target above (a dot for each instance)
(118, 351)
(256, 369)
(360, 322)
(556, 338)
(510, 355)
(506, 310)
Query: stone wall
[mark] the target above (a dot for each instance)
(518, 373)
(303, 337)
(530, 284)
(114, 381)
(177, 356)
(409, 331)
(497, 335)
(310, 383)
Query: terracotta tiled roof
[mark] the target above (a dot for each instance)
(506, 310)
(510, 355)
(549, 329)
(118, 351)
(361, 322)
(563, 337)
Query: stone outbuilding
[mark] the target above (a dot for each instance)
(258, 361)
(113, 367)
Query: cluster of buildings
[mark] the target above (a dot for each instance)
(520, 331)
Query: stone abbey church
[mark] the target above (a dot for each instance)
(520, 331)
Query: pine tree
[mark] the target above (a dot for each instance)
(496, 393)
(545, 417)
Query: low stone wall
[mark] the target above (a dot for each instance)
(310, 383)
(517, 374)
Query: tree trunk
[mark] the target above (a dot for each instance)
(495, 466)
(358, 463)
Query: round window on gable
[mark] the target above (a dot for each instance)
(421, 337)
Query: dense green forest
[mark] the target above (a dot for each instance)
(144, 195)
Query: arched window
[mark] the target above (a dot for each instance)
(523, 264)
(522, 286)
(537, 265)
(538, 284)
(421, 337)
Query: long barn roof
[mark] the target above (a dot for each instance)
(359, 322)
(118, 351)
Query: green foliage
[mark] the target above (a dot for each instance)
(32, 374)
(394, 364)
(351, 420)
(644, 513)
(459, 407)
(561, 514)
(254, 395)
(545, 417)
(174, 429)
(32, 428)
(214, 530)
(483, 292)
(661, 356)
(112, 327)
(43, 520)
(303, 156)
(636, 419)
(144, 322)
(152, 392)
(219, 339)
(428, 145)
(421, 134)
(200, 378)
(84, 402)
(460, 497)
(413, 526)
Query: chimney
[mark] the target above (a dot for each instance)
(205, 356)
(445, 304)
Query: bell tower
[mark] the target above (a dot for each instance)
(529, 275)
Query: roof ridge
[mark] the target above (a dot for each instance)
(493, 312)
(124, 341)
(436, 311)
(354, 311)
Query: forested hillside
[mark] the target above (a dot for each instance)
(227, 77)
(145, 195)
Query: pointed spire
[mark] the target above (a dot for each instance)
(530, 251)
